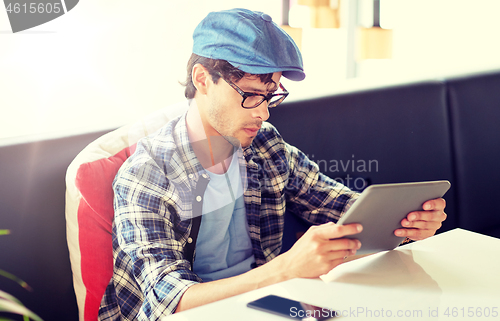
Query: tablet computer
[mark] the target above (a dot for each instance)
(381, 207)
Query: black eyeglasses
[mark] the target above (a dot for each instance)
(252, 100)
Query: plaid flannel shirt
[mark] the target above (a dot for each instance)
(153, 203)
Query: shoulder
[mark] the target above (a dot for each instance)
(157, 148)
(268, 139)
(151, 161)
(270, 150)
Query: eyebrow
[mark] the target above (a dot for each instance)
(258, 90)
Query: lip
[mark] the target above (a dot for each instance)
(252, 131)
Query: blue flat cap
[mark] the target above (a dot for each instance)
(250, 41)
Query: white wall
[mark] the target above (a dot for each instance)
(105, 63)
(101, 65)
(439, 37)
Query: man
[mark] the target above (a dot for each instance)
(199, 207)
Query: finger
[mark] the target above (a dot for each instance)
(436, 216)
(414, 234)
(335, 263)
(436, 204)
(333, 231)
(341, 245)
(422, 225)
(339, 255)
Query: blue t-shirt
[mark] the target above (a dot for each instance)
(223, 247)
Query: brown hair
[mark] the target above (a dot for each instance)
(213, 66)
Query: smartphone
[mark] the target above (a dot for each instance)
(292, 309)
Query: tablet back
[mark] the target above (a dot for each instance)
(380, 209)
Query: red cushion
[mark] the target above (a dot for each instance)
(95, 217)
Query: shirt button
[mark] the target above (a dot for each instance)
(191, 176)
(198, 198)
(190, 240)
(204, 175)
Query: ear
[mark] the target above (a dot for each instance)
(200, 77)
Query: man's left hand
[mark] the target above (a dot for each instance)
(423, 224)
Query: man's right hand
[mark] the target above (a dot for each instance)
(319, 250)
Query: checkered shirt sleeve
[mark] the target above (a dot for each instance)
(309, 193)
(312, 195)
(282, 178)
(150, 272)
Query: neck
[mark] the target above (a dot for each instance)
(214, 152)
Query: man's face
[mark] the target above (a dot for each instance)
(225, 116)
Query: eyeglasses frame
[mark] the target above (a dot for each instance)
(245, 94)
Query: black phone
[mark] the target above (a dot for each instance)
(292, 309)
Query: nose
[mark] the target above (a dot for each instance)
(261, 111)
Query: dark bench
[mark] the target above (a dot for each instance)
(426, 130)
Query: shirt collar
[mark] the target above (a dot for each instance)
(190, 162)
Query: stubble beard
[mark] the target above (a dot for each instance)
(223, 127)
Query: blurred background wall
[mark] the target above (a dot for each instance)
(105, 63)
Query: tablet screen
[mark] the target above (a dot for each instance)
(380, 209)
